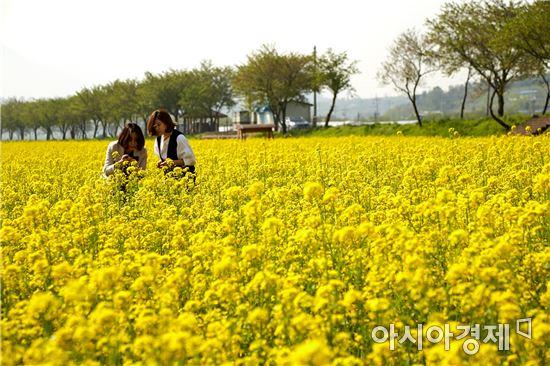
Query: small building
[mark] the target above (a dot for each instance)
(201, 123)
(243, 117)
(299, 109)
(264, 116)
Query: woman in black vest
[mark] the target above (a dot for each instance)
(170, 143)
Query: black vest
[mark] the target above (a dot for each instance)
(172, 145)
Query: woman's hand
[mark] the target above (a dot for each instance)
(126, 157)
(170, 163)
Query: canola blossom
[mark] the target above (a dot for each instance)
(282, 252)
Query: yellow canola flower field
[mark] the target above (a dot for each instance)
(284, 252)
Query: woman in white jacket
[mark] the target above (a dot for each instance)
(130, 146)
(170, 143)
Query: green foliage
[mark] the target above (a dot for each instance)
(121, 103)
(93, 100)
(472, 33)
(209, 90)
(11, 116)
(409, 60)
(275, 79)
(472, 127)
(530, 31)
(164, 90)
(334, 72)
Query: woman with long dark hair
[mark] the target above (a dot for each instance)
(129, 147)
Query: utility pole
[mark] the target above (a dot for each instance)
(315, 89)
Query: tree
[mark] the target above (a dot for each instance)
(450, 64)
(78, 119)
(274, 79)
(11, 118)
(165, 90)
(529, 31)
(92, 99)
(121, 103)
(472, 32)
(110, 109)
(64, 117)
(542, 72)
(409, 60)
(209, 90)
(334, 72)
(17, 117)
(30, 116)
(145, 103)
(48, 113)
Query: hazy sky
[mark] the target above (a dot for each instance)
(54, 48)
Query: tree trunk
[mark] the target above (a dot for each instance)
(104, 125)
(175, 117)
(49, 133)
(465, 93)
(500, 122)
(500, 104)
(314, 119)
(22, 133)
(276, 118)
(96, 127)
(11, 135)
(488, 99)
(35, 133)
(114, 129)
(413, 101)
(83, 130)
(282, 118)
(145, 125)
(327, 120)
(547, 93)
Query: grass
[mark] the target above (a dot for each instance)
(470, 127)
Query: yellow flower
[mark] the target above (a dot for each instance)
(313, 190)
(258, 316)
(289, 254)
(311, 352)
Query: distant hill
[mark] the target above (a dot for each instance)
(358, 108)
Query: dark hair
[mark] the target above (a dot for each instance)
(126, 136)
(163, 116)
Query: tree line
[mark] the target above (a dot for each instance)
(267, 78)
(105, 108)
(496, 41)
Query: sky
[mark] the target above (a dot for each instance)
(55, 48)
